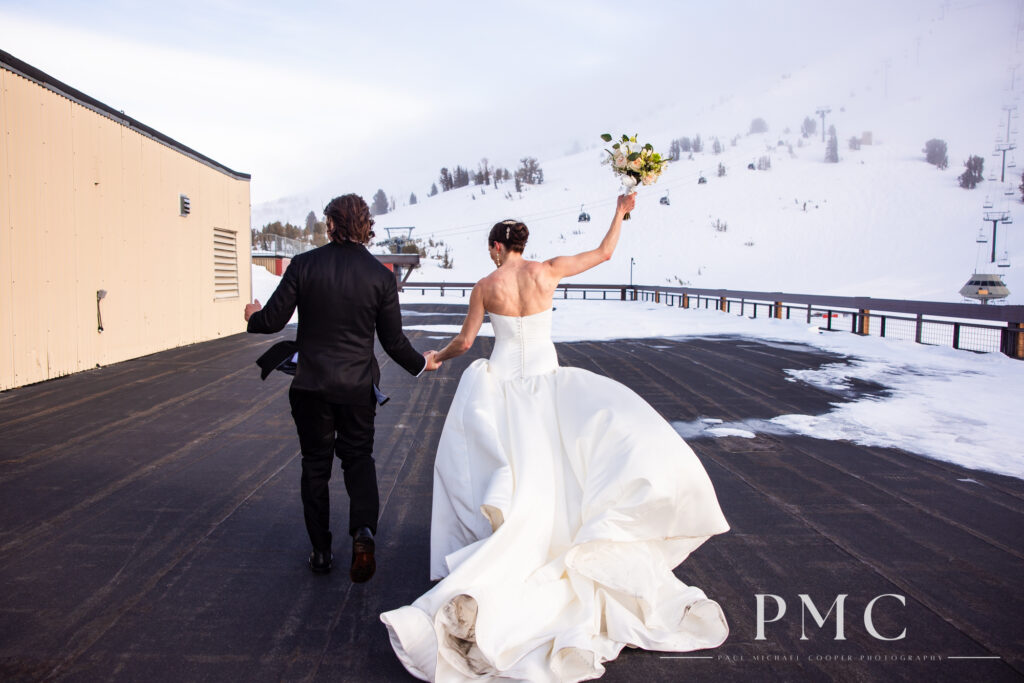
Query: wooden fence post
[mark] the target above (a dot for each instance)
(1013, 340)
(865, 322)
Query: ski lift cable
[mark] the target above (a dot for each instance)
(546, 214)
(558, 212)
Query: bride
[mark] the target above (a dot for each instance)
(562, 502)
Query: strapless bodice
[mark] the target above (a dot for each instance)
(522, 345)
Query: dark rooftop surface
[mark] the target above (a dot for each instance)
(151, 527)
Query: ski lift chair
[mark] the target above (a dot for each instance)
(987, 204)
(1004, 261)
(981, 238)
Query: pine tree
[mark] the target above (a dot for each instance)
(697, 145)
(320, 233)
(412, 198)
(433, 189)
(310, 222)
(970, 178)
(482, 176)
(809, 127)
(832, 148)
(530, 172)
(758, 125)
(673, 150)
(446, 180)
(935, 153)
(379, 207)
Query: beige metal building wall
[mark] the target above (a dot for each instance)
(88, 203)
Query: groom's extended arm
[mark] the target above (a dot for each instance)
(392, 338)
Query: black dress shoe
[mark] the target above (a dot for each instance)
(363, 564)
(321, 561)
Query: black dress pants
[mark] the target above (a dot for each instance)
(346, 431)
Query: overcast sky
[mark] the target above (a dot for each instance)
(325, 97)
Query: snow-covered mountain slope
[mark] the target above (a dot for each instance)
(882, 222)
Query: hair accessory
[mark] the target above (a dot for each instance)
(507, 230)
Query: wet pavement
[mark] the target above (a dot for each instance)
(151, 526)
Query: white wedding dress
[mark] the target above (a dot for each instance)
(562, 502)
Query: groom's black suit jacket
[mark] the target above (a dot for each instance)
(343, 294)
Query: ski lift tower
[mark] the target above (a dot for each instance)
(821, 111)
(1011, 114)
(399, 236)
(399, 263)
(1001, 149)
(996, 217)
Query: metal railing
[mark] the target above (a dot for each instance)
(566, 291)
(265, 244)
(924, 322)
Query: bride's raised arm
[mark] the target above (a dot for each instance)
(567, 266)
(470, 327)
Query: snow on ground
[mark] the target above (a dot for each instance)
(951, 405)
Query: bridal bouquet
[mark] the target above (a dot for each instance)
(635, 165)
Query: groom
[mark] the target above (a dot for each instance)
(343, 294)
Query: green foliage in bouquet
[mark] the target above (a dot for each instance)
(640, 163)
(635, 164)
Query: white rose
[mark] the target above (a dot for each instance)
(636, 164)
(620, 160)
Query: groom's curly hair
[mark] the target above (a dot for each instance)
(350, 219)
(511, 233)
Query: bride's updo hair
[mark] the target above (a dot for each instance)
(511, 233)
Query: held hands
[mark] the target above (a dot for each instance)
(625, 203)
(252, 308)
(432, 362)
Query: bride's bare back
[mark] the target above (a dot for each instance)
(519, 287)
